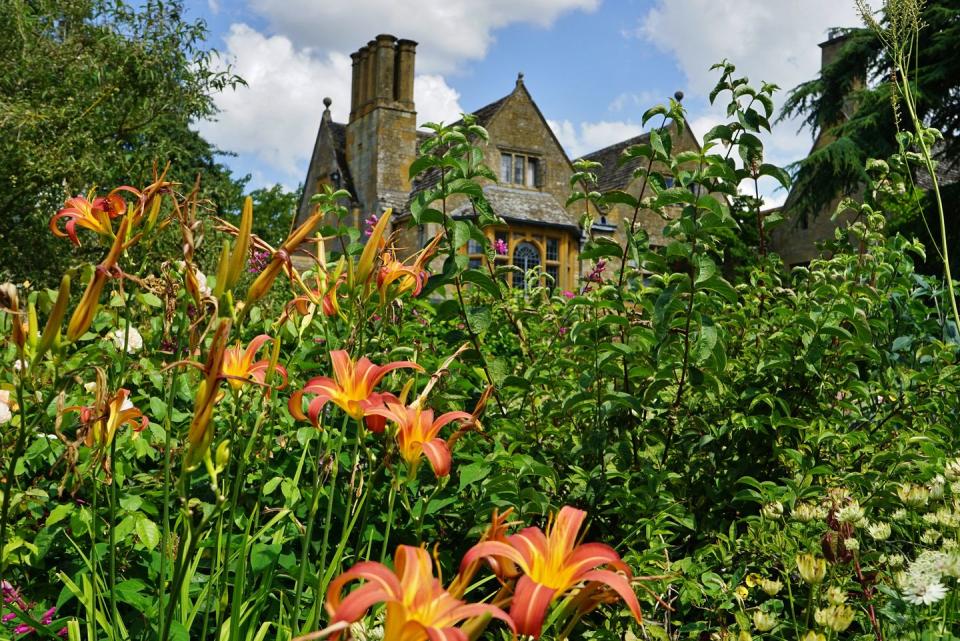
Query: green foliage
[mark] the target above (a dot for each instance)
(95, 93)
(767, 448)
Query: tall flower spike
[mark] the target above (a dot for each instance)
(552, 564)
(90, 301)
(351, 388)
(417, 435)
(239, 367)
(418, 607)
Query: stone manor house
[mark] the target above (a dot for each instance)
(371, 154)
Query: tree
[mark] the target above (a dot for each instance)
(273, 211)
(93, 93)
(857, 82)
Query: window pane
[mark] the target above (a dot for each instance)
(475, 263)
(473, 247)
(506, 168)
(553, 249)
(532, 165)
(526, 256)
(518, 169)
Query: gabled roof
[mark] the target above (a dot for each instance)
(527, 206)
(614, 175)
(329, 156)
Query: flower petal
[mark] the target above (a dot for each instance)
(619, 585)
(439, 456)
(531, 601)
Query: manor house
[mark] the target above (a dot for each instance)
(370, 157)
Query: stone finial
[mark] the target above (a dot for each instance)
(678, 95)
(327, 102)
(520, 79)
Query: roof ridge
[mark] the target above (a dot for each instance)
(624, 142)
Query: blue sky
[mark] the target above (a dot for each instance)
(593, 66)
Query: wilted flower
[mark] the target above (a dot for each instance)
(812, 569)
(764, 621)
(879, 531)
(772, 510)
(836, 617)
(132, 338)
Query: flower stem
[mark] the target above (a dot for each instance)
(307, 535)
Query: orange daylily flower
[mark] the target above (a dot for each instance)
(504, 569)
(418, 607)
(417, 434)
(96, 215)
(239, 368)
(101, 420)
(351, 387)
(409, 278)
(552, 564)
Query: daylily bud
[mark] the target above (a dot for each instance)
(85, 311)
(238, 258)
(200, 435)
(223, 455)
(372, 248)
(223, 268)
(52, 329)
(32, 325)
(10, 303)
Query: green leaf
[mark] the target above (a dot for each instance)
(470, 474)
(59, 513)
(461, 233)
(148, 532)
(481, 280)
(777, 173)
(421, 164)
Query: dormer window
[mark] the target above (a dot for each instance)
(519, 169)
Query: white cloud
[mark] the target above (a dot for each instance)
(273, 120)
(435, 100)
(586, 137)
(449, 31)
(773, 41)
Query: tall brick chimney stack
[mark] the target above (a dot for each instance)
(382, 131)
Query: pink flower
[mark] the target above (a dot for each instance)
(563, 331)
(500, 246)
(370, 223)
(23, 628)
(258, 261)
(567, 294)
(47, 618)
(7, 618)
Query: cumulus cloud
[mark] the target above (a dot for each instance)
(273, 120)
(449, 31)
(586, 137)
(773, 41)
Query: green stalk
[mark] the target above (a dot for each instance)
(307, 535)
(92, 625)
(112, 583)
(391, 501)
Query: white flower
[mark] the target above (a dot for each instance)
(133, 339)
(805, 512)
(20, 365)
(851, 513)
(851, 544)
(202, 282)
(879, 531)
(5, 413)
(772, 510)
(925, 594)
(929, 536)
(952, 470)
(899, 515)
(936, 487)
